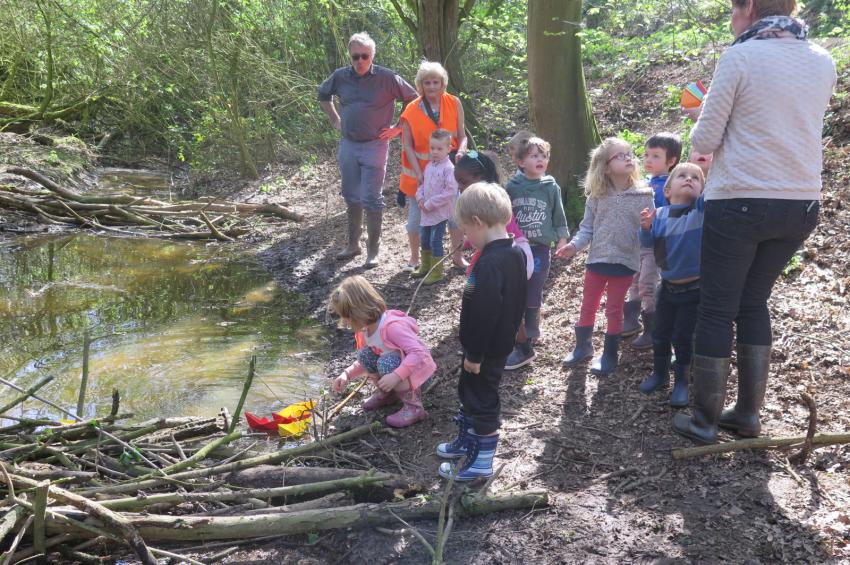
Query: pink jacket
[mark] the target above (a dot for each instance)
(519, 240)
(437, 193)
(400, 331)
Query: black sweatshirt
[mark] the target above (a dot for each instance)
(493, 302)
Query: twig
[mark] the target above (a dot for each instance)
(415, 532)
(342, 404)
(422, 280)
(614, 474)
(601, 430)
(84, 378)
(11, 551)
(803, 454)
(636, 415)
(643, 481)
(248, 380)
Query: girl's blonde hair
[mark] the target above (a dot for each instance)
(596, 181)
(428, 69)
(681, 167)
(355, 299)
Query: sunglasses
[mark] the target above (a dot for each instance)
(358, 56)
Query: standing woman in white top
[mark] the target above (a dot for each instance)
(763, 120)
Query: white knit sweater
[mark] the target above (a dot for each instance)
(763, 120)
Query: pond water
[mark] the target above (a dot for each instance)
(174, 326)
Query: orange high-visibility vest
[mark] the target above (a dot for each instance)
(422, 126)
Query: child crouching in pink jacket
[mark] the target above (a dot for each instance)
(390, 352)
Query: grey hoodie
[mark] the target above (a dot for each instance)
(538, 208)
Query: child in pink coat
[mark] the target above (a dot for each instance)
(390, 353)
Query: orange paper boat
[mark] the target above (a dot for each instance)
(692, 95)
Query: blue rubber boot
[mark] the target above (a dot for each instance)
(457, 447)
(584, 347)
(631, 318)
(522, 355)
(607, 362)
(478, 463)
(660, 376)
(679, 398)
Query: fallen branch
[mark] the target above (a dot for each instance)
(759, 443)
(810, 433)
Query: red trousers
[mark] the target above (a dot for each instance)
(594, 286)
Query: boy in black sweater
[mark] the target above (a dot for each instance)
(492, 308)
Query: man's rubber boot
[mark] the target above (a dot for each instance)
(584, 347)
(753, 369)
(631, 318)
(607, 362)
(710, 375)
(374, 219)
(355, 228)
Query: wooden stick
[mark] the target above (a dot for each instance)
(84, 378)
(11, 551)
(135, 503)
(202, 453)
(758, 443)
(234, 421)
(342, 404)
(39, 535)
(265, 459)
(107, 516)
(810, 433)
(27, 393)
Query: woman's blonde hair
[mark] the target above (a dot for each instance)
(356, 300)
(682, 167)
(596, 181)
(428, 69)
(765, 8)
(485, 200)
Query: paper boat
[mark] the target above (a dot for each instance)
(693, 94)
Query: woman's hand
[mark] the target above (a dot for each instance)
(389, 381)
(692, 113)
(470, 367)
(646, 217)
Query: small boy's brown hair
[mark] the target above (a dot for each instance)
(441, 134)
(518, 140)
(534, 142)
(485, 200)
(355, 299)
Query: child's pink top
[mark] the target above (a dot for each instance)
(513, 229)
(437, 192)
(401, 332)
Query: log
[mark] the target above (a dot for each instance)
(359, 481)
(190, 528)
(269, 458)
(109, 518)
(47, 472)
(759, 443)
(333, 500)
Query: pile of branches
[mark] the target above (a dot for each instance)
(208, 218)
(95, 490)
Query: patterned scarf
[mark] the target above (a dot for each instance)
(775, 26)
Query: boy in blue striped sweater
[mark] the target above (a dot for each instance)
(675, 232)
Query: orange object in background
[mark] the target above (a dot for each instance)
(692, 95)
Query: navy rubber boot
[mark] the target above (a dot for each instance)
(660, 376)
(680, 397)
(584, 347)
(607, 362)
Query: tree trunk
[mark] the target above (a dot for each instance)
(560, 108)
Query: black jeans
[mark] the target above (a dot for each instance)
(479, 395)
(746, 243)
(675, 319)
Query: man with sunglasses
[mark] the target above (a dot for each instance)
(367, 96)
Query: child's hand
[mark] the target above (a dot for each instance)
(692, 113)
(646, 217)
(340, 382)
(567, 251)
(389, 382)
(471, 367)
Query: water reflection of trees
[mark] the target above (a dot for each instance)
(52, 289)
